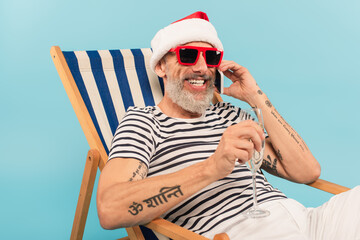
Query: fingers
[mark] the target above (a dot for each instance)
(234, 149)
(229, 65)
(242, 137)
(229, 91)
(244, 150)
(237, 144)
(250, 130)
(232, 70)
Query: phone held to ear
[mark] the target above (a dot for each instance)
(219, 81)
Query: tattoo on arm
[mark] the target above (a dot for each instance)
(135, 208)
(279, 155)
(268, 103)
(270, 165)
(299, 141)
(154, 201)
(141, 171)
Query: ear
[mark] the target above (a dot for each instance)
(160, 68)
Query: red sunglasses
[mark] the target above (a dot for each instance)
(189, 55)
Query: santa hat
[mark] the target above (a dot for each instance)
(195, 27)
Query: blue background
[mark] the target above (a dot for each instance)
(303, 54)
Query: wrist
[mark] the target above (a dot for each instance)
(257, 98)
(210, 169)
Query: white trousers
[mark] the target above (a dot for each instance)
(339, 218)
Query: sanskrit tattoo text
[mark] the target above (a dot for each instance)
(154, 201)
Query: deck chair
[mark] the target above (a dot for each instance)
(101, 85)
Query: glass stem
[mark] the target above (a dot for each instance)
(254, 191)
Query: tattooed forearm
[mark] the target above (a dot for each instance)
(279, 155)
(154, 201)
(270, 165)
(135, 208)
(293, 134)
(141, 171)
(268, 103)
(162, 197)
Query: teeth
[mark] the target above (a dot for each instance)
(196, 82)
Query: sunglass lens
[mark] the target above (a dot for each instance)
(188, 55)
(213, 57)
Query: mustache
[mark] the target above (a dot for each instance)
(198, 76)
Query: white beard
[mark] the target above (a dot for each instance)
(189, 101)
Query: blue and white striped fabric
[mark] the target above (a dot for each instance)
(110, 81)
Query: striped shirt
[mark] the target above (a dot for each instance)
(168, 144)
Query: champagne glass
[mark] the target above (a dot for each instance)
(254, 164)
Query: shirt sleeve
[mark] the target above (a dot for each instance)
(134, 137)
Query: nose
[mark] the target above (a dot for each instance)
(200, 65)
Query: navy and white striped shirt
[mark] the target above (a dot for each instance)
(168, 144)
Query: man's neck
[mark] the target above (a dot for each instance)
(171, 109)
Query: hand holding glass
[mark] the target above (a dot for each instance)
(254, 164)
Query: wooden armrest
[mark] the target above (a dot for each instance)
(328, 186)
(172, 230)
(176, 232)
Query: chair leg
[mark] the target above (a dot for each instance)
(135, 233)
(86, 189)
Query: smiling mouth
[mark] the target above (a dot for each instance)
(196, 82)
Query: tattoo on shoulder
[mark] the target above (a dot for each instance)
(140, 172)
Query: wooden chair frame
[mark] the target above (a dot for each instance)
(97, 157)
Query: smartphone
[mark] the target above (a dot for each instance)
(219, 81)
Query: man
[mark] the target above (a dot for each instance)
(184, 160)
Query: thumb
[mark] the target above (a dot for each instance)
(227, 91)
